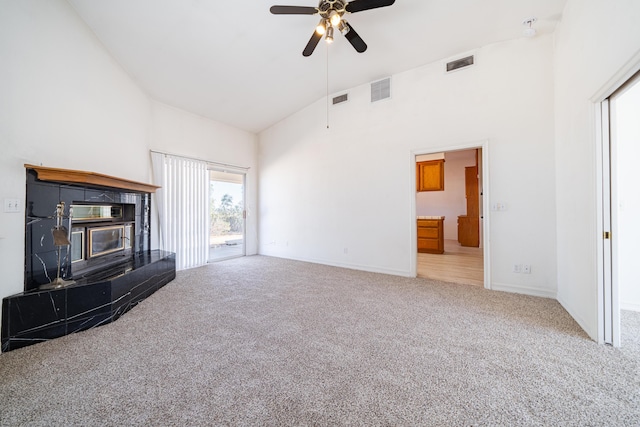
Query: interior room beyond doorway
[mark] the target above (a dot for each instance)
(450, 212)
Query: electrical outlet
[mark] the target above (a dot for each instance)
(346, 251)
(517, 268)
(526, 269)
(12, 205)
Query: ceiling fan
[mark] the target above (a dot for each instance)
(331, 13)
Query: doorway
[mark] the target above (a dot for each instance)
(621, 201)
(226, 215)
(454, 213)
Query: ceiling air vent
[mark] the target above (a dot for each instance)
(459, 63)
(381, 90)
(341, 98)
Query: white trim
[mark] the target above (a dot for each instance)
(526, 290)
(606, 244)
(600, 268)
(486, 240)
(615, 230)
(244, 219)
(351, 266)
(623, 75)
(630, 306)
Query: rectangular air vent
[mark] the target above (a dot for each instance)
(341, 98)
(381, 89)
(459, 63)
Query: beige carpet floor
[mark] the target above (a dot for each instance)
(267, 341)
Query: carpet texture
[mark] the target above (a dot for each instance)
(267, 341)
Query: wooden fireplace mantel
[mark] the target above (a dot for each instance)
(69, 176)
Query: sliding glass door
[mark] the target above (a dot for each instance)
(226, 215)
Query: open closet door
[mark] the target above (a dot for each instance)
(607, 299)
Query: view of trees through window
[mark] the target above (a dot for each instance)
(225, 208)
(226, 222)
(225, 215)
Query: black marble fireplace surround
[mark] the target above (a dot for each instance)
(105, 287)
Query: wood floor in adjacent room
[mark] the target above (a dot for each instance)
(458, 264)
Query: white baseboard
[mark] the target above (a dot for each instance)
(351, 266)
(630, 306)
(526, 290)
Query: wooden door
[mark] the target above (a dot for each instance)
(469, 224)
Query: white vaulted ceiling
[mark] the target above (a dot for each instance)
(236, 63)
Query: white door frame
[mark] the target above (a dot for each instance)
(486, 240)
(243, 173)
(608, 304)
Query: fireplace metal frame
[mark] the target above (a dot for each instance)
(95, 230)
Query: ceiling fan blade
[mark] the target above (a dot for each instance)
(313, 42)
(355, 40)
(360, 5)
(293, 10)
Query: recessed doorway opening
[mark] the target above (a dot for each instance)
(449, 216)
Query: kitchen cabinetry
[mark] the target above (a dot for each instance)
(431, 235)
(430, 175)
(469, 231)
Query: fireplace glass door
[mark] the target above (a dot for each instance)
(106, 240)
(77, 244)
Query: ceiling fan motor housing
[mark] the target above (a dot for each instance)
(326, 6)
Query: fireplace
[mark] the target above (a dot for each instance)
(106, 226)
(100, 234)
(107, 268)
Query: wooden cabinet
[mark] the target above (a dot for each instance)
(469, 224)
(431, 236)
(430, 175)
(469, 231)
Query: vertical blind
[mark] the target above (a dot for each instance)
(182, 208)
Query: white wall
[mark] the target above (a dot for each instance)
(64, 102)
(178, 132)
(626, 139)
(343, 195)
(452, 201)
(593, 42)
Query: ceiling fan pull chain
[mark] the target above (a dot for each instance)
(327, 86)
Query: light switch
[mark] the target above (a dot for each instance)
(12, 205)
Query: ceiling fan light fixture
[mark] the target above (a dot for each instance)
(334, 18)
(322, 27)
(329, 36)
(343, 27)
